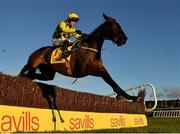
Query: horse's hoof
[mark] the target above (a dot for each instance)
(54, 119)
(141, 96)
(62, 120)
(138, 99)
(120, 98)
(20, 75)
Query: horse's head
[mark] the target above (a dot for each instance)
(114, 31)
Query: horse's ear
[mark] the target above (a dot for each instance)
(106, 17)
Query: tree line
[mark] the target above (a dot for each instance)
(168, 104)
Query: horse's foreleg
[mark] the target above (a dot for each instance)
(46, 73)
(28, 71)
(107, 78)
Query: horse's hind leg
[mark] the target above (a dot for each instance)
(28, 71)
(46, 73)
(24, 70)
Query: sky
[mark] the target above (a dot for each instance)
(151, 54)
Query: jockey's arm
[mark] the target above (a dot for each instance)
(66, 28)
(77, 36)
(71, 31)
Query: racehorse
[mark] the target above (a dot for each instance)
(85, 61)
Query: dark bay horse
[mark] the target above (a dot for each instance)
(85, 61)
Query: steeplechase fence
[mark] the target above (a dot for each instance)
(33, 107)
(145, 86)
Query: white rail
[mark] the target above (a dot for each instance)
(166, 113)
(143, 87)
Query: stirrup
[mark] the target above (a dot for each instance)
(65, 54)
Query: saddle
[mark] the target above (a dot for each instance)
(59, 56)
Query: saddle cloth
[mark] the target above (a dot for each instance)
(56, 56)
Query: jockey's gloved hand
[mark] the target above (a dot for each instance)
(84, 35)
(78, 32)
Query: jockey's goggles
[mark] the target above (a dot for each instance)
(75, 19)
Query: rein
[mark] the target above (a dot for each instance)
(83, 47)
(90, 49)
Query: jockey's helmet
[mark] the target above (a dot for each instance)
(73, 17)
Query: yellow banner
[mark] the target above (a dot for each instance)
(14, 119)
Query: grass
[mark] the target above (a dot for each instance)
(164, 125)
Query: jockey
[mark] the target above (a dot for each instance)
(65, 30)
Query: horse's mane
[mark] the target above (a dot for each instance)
(94, 33)
(98, 28)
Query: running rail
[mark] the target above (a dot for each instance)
(143, 87)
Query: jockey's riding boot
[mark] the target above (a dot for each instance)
(65, 52)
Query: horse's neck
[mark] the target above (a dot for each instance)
(97, 37)
(95, 42)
